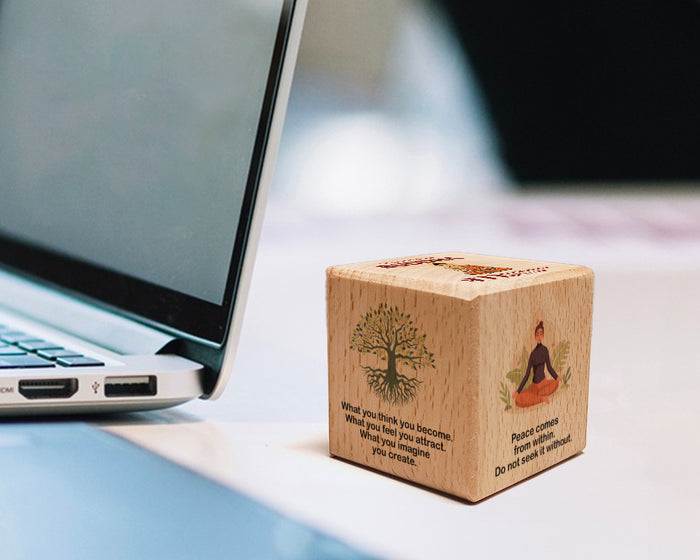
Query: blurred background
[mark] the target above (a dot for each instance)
(546, 95)
(385, 115)
(564, 134)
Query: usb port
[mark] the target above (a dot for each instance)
(48, 388)
(131, 386)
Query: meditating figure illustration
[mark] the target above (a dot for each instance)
(540, 388)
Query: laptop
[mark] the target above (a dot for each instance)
(137, 140)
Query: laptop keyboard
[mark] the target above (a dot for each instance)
(19, 349)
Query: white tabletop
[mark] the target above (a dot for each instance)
(632, 493)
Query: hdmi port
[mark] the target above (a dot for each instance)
(132, 386)
(48, 388)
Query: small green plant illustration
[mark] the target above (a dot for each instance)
(560, 355)
(516, 375)
(567, 376)
(505, 395)
(391, 336)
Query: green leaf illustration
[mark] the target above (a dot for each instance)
(560, 355)
(505, 396)
(524, 359)
(515, 376)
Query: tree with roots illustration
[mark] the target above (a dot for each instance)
(390, 335)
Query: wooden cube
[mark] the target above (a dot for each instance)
(461, 372)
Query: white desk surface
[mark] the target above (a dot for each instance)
(633, 493)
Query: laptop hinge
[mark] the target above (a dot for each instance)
(210, 357)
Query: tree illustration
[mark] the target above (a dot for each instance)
(390, 335)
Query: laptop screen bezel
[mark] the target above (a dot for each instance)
(174, 312)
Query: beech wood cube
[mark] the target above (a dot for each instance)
(465, 373)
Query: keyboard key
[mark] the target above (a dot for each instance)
(26, 361)
(52, 354)
(36, 345)
(8, 350)
(19, 349)
(13, 337)
(78, 361)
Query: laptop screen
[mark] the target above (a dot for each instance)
(130, 140)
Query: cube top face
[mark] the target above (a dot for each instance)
(463, 275)
(465, 386)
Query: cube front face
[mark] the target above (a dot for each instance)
(399, 399)
(427, 360)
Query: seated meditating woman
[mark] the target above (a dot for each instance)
(540, 387)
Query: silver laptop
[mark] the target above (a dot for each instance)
(137, 140)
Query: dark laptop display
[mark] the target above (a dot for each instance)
(128, 130)
(134, 140)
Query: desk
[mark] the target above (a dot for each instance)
(632, 493)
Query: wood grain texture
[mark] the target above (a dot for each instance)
(427, 348)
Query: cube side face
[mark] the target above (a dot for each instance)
(529, 425)
(401, 397)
